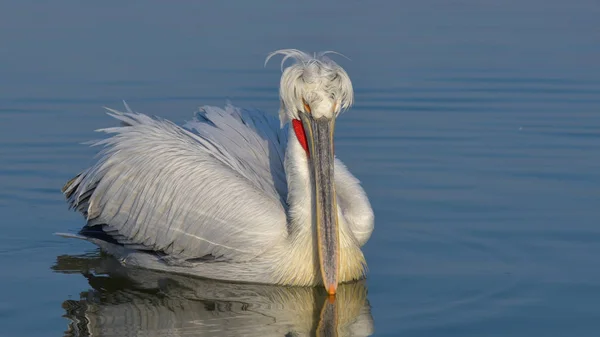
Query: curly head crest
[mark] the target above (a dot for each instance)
(312, 79)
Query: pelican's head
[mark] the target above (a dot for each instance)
(312, 84)
(313, 91)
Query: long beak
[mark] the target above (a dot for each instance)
(319, 133)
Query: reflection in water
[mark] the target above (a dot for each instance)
(136, 302)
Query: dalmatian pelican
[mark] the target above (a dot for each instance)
(235, 194)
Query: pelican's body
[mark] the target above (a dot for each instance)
(234, 194)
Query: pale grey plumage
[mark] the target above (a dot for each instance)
(155, 183)
(225, 196)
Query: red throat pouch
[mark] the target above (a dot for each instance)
(300, 134)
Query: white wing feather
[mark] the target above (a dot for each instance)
(216, 188)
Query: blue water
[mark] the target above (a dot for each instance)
(476, 134)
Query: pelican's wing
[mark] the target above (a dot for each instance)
(250, 141)
(216, 189)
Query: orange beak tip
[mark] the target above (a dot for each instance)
(331, 290)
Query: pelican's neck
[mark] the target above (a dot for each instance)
(300, 192)
(299, 183)
(294, 268)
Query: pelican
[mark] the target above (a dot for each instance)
(234, 194)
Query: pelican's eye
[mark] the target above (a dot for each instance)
(306, 106)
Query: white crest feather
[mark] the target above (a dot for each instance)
(312, 79)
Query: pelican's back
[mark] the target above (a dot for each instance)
(215, 189)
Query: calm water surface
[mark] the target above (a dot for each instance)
(476, 134)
